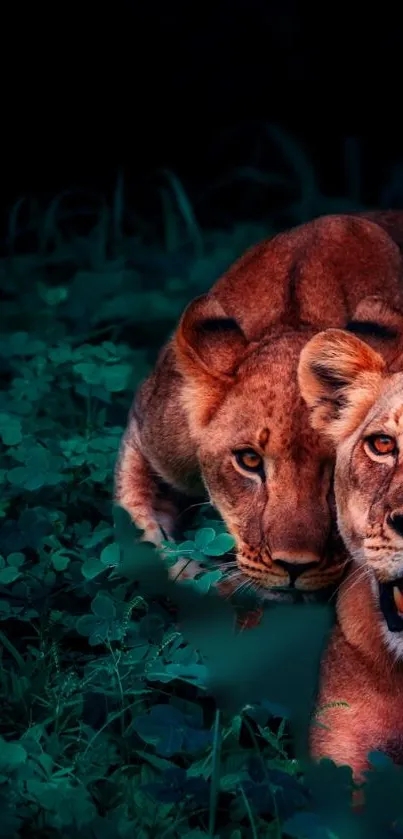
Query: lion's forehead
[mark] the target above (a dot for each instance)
(388, 408)
(274, 421)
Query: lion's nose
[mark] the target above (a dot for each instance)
(395, 521)
(295, 569)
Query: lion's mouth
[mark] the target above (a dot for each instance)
(391, 604)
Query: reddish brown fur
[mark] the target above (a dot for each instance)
(228, 376)
(363, 665)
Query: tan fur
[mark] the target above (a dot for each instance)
(363, 665)
(227, 379)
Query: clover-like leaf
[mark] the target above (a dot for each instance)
(205, 581)
(205, 536)
(91, 568)
(90, 372)
(60, 561)
(12, 755)
(170, 731)
(41, 469)
(16, 559)
(116, 377)
(8, 575)
(220, 545)
(10, 429)
(111, 554)
(103, 607)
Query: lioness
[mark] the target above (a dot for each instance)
(358, 406)
(222, 415)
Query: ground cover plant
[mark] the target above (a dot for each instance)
(132, 706)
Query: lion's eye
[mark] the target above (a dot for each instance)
(381, 444)
(249, 460)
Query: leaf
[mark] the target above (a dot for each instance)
(91, 568)
(11, 755)
(8, 575)
(103, 607)
(221, 544)
(305, 825)
(42, 469)
(204, 537)
(116, 377)
(111, 554)
(90, 372)
(60, 561)
(16, 559)
(5, 609)
(206, 581)
(170, 731)
(10, 429)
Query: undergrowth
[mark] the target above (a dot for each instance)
(132, 706)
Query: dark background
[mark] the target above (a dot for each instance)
(90, 89)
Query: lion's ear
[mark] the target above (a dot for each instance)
(208, 343)
(339, 377)
(379, 324)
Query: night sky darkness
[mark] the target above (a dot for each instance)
(92, 88)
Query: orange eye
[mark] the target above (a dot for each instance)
(249, 460)
(382, 444)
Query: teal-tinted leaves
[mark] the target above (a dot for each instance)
(12, 755)
(60, 560)
(116, 377)
(8, 575)
(204, 537)
(171, 732)
(41, 469)
(102, 624)
(9, 572)
(194, 674)
(220, 545)
(113, 377)
(16, 560)
(91, 568)
(110, 555)
(89, 371)
(10, 429)
(64, 803)
(204, 582)
(21, 344)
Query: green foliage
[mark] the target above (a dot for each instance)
(130, 704)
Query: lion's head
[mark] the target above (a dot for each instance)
(358, 406)
(267, 472)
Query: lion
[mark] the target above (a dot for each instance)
(357, 404)
(221, 416)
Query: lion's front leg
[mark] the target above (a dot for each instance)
(138, 491)
(345, 740)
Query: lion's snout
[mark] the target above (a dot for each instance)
(295, 564)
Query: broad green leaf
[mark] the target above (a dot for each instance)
(10, 429)
(103, 607)
(11, 755)
(220, 545)
(60, 561)
(116, 377)
(205, 536)
(8, 575)
(111, 554)
(91, 568)
(16, 560)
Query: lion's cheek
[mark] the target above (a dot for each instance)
(353, 519)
